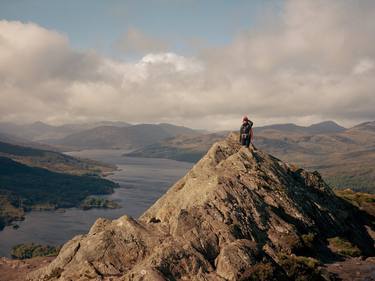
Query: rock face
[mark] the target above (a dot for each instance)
(237, 215)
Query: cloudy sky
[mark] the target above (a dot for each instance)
(198, 63)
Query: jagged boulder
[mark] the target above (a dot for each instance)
(238, 214)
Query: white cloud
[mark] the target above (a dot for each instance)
(307, 64)
(179, 63)
(363, 66)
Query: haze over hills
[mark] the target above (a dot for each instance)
(8, 138)
(182, 148)
(13, 140)
(238, 214)
(319, 128)
(39, 131)
(366, 126)
(121, 137)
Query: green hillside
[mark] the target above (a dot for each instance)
(23, 187)
(20, 150)
(52, 160)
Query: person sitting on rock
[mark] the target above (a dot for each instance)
(246, 132)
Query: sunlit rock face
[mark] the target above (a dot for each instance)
(235, 215)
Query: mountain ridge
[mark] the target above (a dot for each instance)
(238, 214)
(121, 137)
(317, 128)
(345, 158)
(39, 131)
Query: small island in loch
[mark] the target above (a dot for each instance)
(99, 202)
(32, 250)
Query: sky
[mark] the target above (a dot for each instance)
(100, 25)
(202, 64)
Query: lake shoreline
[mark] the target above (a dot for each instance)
(10, 213)
(141, 182)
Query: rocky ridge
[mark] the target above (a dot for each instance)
(238, 214)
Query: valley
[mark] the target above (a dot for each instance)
(140, 182)
(142, 171)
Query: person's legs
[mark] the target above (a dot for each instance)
(247, 142)
(243, 141)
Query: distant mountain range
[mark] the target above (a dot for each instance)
(130, 137)
(191, 148)
(366, 126)
(345, 157)
(108, 134)
(40, 131)
(181, 148)
(319, 128)
(101, 135)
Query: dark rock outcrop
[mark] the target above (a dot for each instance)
(237, 215)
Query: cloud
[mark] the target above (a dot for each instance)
(301, 64)
(364, 66)
(311, 62)
(135, 41)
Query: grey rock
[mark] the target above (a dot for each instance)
(229, 218)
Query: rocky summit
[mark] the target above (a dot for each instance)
(238, 214)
